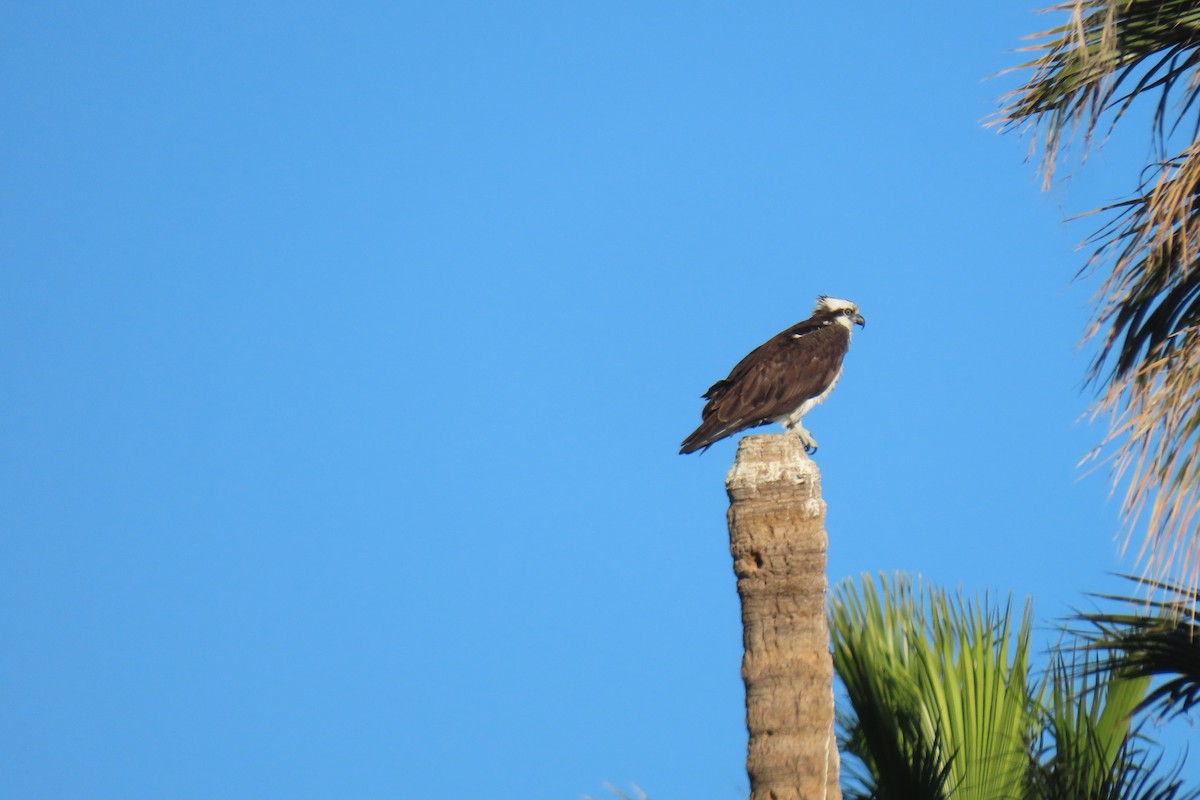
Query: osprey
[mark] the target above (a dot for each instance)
(782, 379)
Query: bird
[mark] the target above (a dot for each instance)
(781, 379)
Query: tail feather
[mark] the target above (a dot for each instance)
(711, 432)
(693, 443)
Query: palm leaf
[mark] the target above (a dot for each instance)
(1085, 745)
(1149, 359)
(1091, 745)
(1082, 66)
(1086, 70)
(939, 691)
(1157, 639)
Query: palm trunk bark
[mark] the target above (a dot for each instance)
(778, 542)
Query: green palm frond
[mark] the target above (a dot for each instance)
(1157, 639)
(1137, 773)
(1091, 745)
(888, 731)
(942, 704)
(939, 691)
(1085, 747)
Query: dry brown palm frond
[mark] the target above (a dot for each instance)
(1088, 69)
(1147, 323)
(1087, 72)
(1157, 455)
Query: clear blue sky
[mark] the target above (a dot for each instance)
(347, 349)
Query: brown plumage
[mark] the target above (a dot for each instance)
(780, 380)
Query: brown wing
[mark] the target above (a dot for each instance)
(771, 381)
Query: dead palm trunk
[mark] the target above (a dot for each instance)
(777, 539)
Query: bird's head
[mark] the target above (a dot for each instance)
(842, 311)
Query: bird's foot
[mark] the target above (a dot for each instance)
(806, 439)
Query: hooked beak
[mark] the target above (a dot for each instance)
(858, 320)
